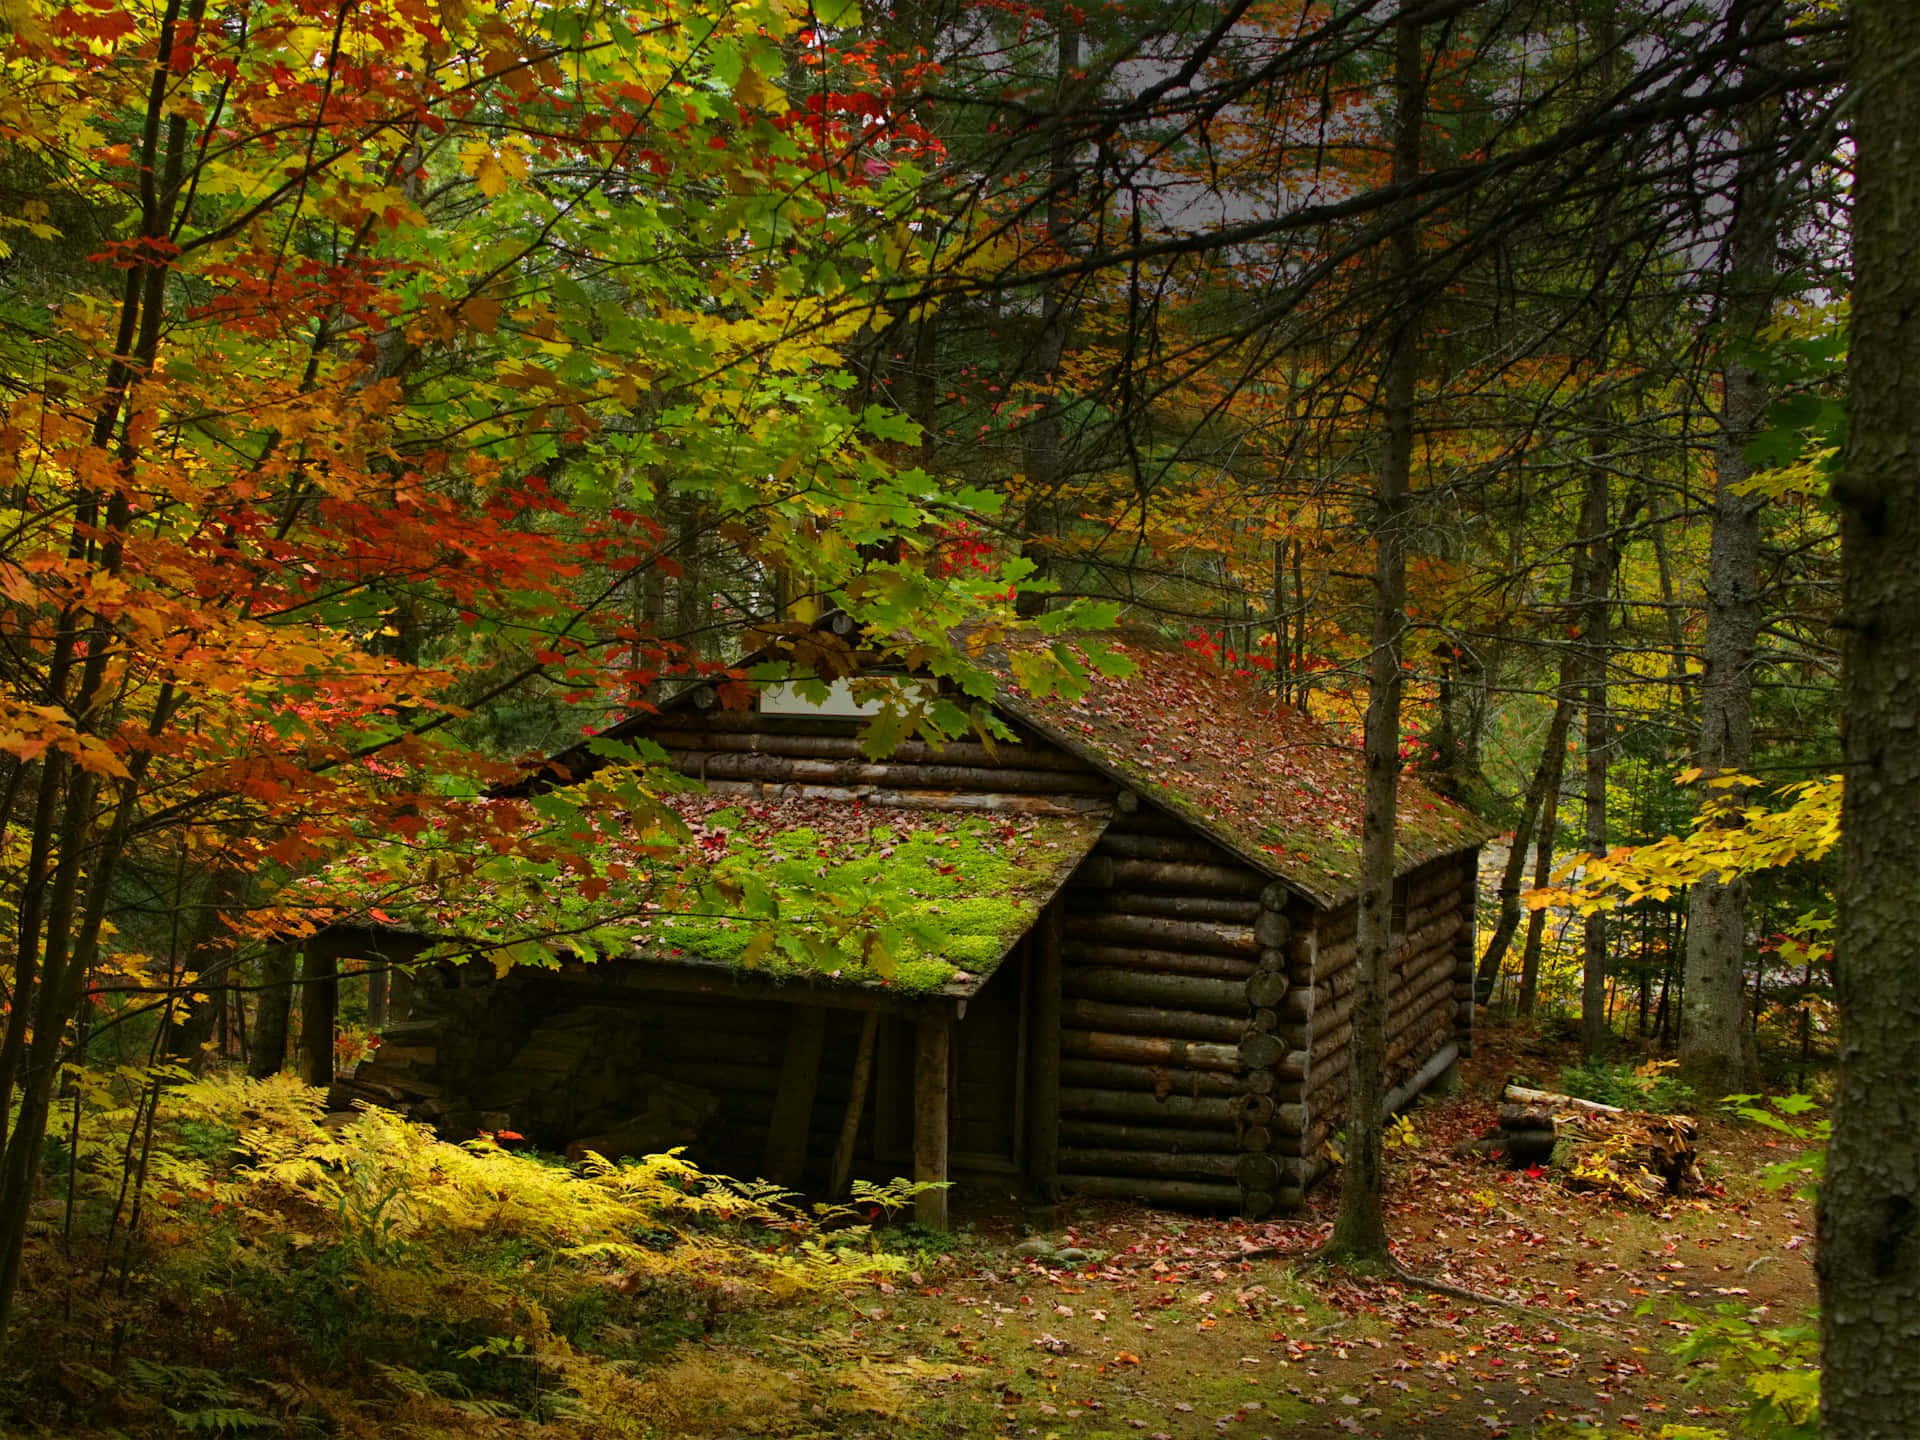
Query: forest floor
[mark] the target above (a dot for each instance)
(268, 1308)
(1165, 1333)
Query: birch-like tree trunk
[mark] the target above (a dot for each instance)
(1716, 1043)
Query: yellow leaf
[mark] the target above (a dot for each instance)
(491, 176)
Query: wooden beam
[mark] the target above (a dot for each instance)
(856, 1105)
(785, 1158)
(932, 1100)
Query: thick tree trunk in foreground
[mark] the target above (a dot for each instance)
(1870, 1204)
(1716, 1043)
(1360, 1228)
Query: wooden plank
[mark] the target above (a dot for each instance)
(785, 1156)
(856, 1105)
(932, 1088)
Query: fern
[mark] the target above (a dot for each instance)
(220, 1420)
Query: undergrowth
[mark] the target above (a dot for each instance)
(1647, 1087)
(499, 1291)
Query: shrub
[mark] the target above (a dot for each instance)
(1632, 1087)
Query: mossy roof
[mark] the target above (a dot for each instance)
(822, 891)
(1280, 790)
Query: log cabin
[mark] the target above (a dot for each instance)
(1109, 953)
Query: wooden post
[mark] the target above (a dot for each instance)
(377, 973)
(1043, 1059)
(932, 1098)
(785, 1158)
(399, 994)
(856, 1105)
(319, 1006)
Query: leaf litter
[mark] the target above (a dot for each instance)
(1183, 1327)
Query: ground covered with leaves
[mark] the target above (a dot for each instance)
(421, 1296)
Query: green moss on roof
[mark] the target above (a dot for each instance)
(1278, 788)
(824, 890)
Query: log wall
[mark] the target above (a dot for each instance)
(1432, 961)
(1174, 978)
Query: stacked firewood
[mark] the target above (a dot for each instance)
(1628, 1153)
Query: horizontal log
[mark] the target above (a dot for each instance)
(790, 770)
(884, 797)
(1254, 1109)
(1159, 932)
(1294, 1065)
(1299, 1003)
(1328, 1115)
(1224, 909)
(1145, 987)
(1269, 987)
(1147, 1164)
(1123, 842)
(1337, 925)
(1333, 959)
(1261, 1051)
(1257, 1172)
(1333, 1075)
(1080, 1100)
(1150, 819)
(1177, 962)
(1193, 1194)
(1523, 1095)
(1120, 1135)
(847, 747)
(1426, 886)
(1531, 1116)
(1175, 872)
(1256, 1138)
(1259, 1082)
(1143, 1020)
(1173, 1052)
(1122, 1075)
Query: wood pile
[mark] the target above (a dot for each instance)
(402, 1074)
(1629, 1153)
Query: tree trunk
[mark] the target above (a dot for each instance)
(1716, 1044)
(1359, 1228)
(1593, 646)
(1546, 783)
(1869, 1256)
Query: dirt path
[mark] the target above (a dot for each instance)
(1159, 1329)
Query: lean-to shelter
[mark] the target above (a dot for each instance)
(1111, 954)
